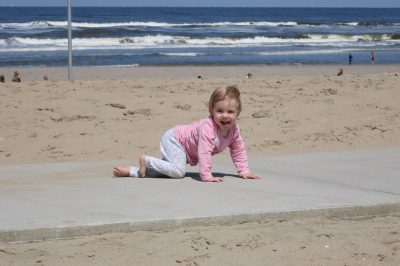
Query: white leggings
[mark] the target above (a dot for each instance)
(173, 163)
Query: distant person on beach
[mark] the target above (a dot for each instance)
(45, 77)
(16, 77)
(2, 79)
(350, 58)
(196, 143)
(372, 56)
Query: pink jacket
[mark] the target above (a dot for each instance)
(202, 139)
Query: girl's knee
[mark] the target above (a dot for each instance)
(179, 175)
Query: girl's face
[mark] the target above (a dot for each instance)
(225, 113)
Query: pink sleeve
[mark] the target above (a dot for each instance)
(205, 149)
(238, 153)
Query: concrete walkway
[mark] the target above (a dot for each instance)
(62, 200)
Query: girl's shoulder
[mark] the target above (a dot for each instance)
(207, 125)
(202, 125)
(208, 121)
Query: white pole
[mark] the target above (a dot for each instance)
(70, 77)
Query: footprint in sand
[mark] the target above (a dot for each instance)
(146, 112)
(185, 107)
(261, 114)
(116, 105)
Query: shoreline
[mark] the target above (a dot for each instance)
(192, 71)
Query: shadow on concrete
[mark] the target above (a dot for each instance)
(196, 175)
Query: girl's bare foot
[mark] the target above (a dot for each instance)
(121, 171)
(142, 166)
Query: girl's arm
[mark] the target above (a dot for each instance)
(204, 152)
(239, 156)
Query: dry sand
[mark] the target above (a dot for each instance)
(310, 241)
(92, 120)
(119, 113)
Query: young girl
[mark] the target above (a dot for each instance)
(197, 142)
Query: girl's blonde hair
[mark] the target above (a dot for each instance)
(222, 93)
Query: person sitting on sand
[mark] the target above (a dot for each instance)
(2, 79)
(16, 77)
(340, 72)
(197, 142)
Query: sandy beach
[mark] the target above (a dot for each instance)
(311, 241)
(118, 119)
(119, 113)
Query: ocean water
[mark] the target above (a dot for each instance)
(31, 36)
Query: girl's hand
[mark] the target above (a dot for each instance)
(250, 176)
(214, 179)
